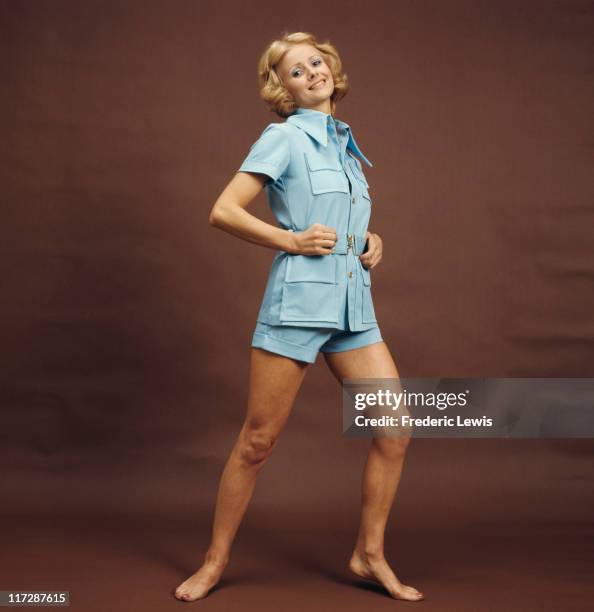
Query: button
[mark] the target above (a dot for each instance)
(353, 199)
(350, 275)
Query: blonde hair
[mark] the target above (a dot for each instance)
(272, 90)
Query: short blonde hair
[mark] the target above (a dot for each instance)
(272, 90)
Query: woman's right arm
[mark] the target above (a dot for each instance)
(229, 214)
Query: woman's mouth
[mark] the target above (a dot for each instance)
(319, 84)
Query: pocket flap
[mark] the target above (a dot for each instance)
(325, 175)
(311, 269)
(319, 162)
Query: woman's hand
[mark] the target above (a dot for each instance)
(373, 255)
(317, 239)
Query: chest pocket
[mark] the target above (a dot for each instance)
(360, 176)
(358, 172)
(325, 175)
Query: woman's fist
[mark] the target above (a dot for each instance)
(317, 239)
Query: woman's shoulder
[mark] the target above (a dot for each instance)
(277, 134)
(280, 128)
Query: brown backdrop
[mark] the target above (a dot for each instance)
(126, 318)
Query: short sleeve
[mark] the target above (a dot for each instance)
(270, 154)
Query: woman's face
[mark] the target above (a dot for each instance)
(307, 77)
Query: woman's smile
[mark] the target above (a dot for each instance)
(307, 77)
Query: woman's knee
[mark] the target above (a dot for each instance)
(255, 446)
(392, 447)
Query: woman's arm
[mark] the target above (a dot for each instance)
(229, 214)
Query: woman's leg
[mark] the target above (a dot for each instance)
(381, 474)
(273, 385)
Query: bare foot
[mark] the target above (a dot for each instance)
(377, 569)
(199, 584)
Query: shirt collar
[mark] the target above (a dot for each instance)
(315, 123)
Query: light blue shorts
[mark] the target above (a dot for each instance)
(303, 343)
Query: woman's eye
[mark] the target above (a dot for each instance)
(297, 72)
(314, 62)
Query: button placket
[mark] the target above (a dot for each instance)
(353, 281)
(351, 289)
(351, 257)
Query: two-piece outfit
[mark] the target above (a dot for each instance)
(315, 302)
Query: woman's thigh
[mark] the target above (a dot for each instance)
(374, 361)
(274, 382)
(371, 361)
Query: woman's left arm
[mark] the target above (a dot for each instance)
(373, 255)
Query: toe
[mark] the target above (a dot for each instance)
(413, 593)
(409, 588)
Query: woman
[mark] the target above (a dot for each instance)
(318, 296)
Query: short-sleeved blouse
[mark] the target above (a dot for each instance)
(313, 171)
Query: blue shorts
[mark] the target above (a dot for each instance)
(303, 343)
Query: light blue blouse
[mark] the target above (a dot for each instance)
(314, 175)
